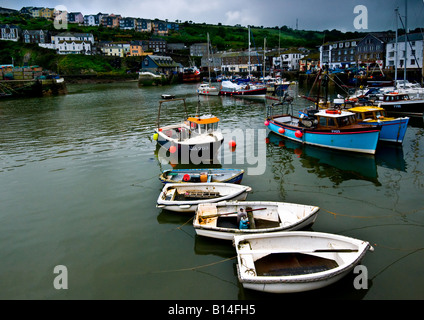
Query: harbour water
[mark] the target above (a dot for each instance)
(79, 184)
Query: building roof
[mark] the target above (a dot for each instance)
(163, 61)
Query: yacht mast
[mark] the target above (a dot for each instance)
(406, 43)
(396, 47)
(248, 67)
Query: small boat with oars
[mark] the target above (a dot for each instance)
(223, 220)
(185, 197)
(295, 261)
(202, 175)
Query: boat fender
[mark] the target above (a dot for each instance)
(186, 177)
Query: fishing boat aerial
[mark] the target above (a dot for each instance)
(202, 175)
(329, 128)
(295, 261)
(185, 197)
(223, 220)
(195, 138)
(392, 129)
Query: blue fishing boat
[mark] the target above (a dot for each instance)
(202, 175)
(330, 128)
(392, 129)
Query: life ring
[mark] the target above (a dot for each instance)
(186, 177)
(332, 111)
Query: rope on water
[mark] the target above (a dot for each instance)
(196, 268)
(376, 217)
(185, 223)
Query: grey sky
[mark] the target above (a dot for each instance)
(310, 14)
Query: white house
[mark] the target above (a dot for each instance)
(288, 60)
(415, 46)
(71, 43)
(9, 32)
(73, 47)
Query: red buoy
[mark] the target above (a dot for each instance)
(298, 134)
(232, 143)
(173, 149)
(281, 130)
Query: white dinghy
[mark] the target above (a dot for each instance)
(295, 261)
(222, 220)
(185, 197)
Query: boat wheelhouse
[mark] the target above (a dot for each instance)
(392, 129)
(402, 103)
(193, 139)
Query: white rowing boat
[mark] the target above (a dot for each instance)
(222, 220)
(295, 261)
(185, 197)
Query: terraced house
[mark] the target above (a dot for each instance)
(10, 32)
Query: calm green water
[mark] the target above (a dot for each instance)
(79, 183)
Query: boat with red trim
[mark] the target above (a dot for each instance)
(329, 128)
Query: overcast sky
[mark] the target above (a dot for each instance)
(310, 14)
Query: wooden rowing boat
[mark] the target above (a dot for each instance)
(222, 220)
(201, 175)
(185, 197)
(295, 261)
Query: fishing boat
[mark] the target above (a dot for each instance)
(206, 89)
(248, 90)
(402, 103)
(202, 175)
(392, 129)
(295, 261)
(329, 128)
(191, 74)
(223, 220)
(196, 137)
(185, 197)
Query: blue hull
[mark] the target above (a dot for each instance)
(392, 130)
(364, 141)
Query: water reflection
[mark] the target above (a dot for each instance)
(335, 165)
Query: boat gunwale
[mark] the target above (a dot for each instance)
(281, 227)
(362, 247)
(312, 277)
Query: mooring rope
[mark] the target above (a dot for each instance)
(195, 268)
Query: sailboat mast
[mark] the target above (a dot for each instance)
(264, 58)
(396, 48)
(406, 43)
(248, 67)
(209, 63)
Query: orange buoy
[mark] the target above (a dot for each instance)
(173, 149)
(281, 130)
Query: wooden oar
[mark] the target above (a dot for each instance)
(228, 213)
